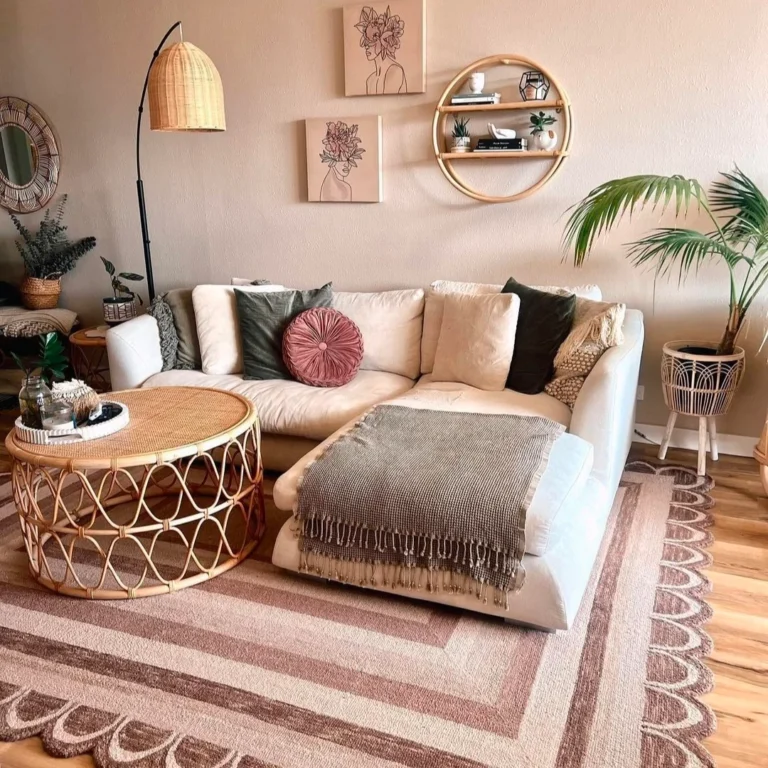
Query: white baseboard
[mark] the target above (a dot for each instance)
(735, 445)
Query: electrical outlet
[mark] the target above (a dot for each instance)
(640, 392)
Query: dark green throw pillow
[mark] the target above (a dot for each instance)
(543, 324)
(263, 319)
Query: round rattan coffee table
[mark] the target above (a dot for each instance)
(172, 500)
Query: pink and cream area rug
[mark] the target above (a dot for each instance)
(262, 668)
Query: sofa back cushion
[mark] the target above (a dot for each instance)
(221, 350)
(433, 309)
(477, 339)
(188, 351)
(391, 323)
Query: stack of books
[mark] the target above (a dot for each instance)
(501, 145)
(475, 98)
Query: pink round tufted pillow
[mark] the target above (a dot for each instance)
(322, 348)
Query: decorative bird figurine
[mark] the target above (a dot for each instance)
(501, 133)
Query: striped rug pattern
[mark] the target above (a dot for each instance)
(259, 667)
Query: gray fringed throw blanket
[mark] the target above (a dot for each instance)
(425, 499)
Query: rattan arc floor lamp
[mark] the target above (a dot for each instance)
(185, 94)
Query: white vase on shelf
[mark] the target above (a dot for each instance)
(545, 140)
(476, 82)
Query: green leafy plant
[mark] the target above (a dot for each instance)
(460, 128)
(49, 253)
(119, 288)
(52, 361)
(540, 122)
(736, 208)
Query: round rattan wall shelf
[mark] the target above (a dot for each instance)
(446, 159)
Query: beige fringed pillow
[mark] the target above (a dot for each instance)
(597, 326)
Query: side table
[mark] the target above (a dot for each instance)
(172, 500)
(89, 359)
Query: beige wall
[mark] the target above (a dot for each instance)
(657, 86)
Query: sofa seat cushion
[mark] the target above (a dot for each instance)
(291, 408)
(558, 494)
(453, 396)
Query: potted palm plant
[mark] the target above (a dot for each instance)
(48, 254)
(699, 378)
(121, 305)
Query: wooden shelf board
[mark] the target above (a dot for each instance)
(532, 105)
(532, 154)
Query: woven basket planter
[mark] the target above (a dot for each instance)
(37, 293)
(699, 384)
(119, 310)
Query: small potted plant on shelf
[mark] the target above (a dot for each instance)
(544, 137)
(460, 133)
(121, 305)
(48, 254)
(699, 378)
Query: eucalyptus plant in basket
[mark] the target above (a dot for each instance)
(122, 304)
(699, 378)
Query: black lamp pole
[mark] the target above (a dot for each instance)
(139, 182)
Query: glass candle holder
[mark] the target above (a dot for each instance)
(57, 415)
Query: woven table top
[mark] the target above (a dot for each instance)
(166, 423)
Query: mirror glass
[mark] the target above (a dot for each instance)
(18, 161)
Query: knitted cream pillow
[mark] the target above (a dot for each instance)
(597, 326)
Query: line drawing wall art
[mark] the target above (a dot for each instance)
(385, 48)
(344, 160)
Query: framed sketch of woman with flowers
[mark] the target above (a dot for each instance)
(344, 160)
(385, 48)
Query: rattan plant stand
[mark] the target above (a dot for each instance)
(172, 500)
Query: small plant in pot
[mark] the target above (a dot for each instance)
(460, 133)
(543, 136)
(121, 306)
(48, 254)
(699, 378)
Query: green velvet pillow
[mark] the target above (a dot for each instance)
(263, 319)
(544, 322)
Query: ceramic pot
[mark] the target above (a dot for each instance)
(119, 310)
(37, 293)
(461, 144)
(545, 140)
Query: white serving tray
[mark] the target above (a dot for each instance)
(74, 434)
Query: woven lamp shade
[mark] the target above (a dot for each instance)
(185, 92)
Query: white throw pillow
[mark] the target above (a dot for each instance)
(477, 339)
(221, 349)
(433, 308)
(390, 322)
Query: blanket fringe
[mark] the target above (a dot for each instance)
(375, 573)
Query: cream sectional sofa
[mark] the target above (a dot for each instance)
(567, 518)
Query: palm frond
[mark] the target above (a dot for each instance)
(605, 205)
(684, 248)
(748, 222)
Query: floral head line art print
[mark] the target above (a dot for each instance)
(341, 150)
(381, 35)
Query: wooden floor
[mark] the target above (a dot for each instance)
(739, 628)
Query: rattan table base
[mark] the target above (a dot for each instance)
(140, 530)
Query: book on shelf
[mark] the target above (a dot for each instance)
(476, 98)
(501, 145)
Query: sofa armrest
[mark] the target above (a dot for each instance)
(134, 354)
(604, 412)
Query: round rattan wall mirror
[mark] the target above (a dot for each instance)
(29, 157)
(555, 102)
